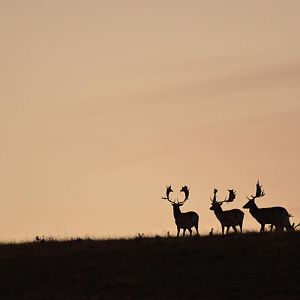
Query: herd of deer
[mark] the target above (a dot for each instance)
(274, 216)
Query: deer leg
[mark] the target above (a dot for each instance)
(262, 229)
(190, 230)
(234, 228)
(280, 228)
(227, 229)
(241, 227)
(196, 227)
(271, 227)
(222, 230)
(178, 231)
(184, 231)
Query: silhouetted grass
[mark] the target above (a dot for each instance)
(248, 266)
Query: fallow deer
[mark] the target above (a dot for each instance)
(187, 220)
(227, 218)
(275, 216)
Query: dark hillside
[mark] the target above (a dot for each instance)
(248, 266)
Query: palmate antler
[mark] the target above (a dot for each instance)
(184, 189)
(215, 196)
(231, 197)
(186, 192)
(168, 191)
(259, 192)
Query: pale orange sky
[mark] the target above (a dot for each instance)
(103, 103)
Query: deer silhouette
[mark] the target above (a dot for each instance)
(186, 220)
(275, 216)
(227, 218)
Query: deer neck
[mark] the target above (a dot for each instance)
(253, 209)
(218, 211)
(176, 212)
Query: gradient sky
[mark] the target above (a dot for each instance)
(103, 103)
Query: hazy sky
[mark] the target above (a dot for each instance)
(103, 103)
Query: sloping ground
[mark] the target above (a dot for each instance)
(248, 266)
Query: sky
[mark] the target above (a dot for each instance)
(104, 103)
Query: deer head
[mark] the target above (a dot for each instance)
(259, 193)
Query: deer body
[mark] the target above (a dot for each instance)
(185, 221)
(227, 218)
(230, 218)
(276, 216)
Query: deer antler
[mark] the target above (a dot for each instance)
(231, 196)
(259, 192)
(215, 196)
(168, 191)
(186, 192)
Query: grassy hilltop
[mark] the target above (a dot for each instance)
(248, 266)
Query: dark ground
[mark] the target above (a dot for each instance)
(248, 266)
